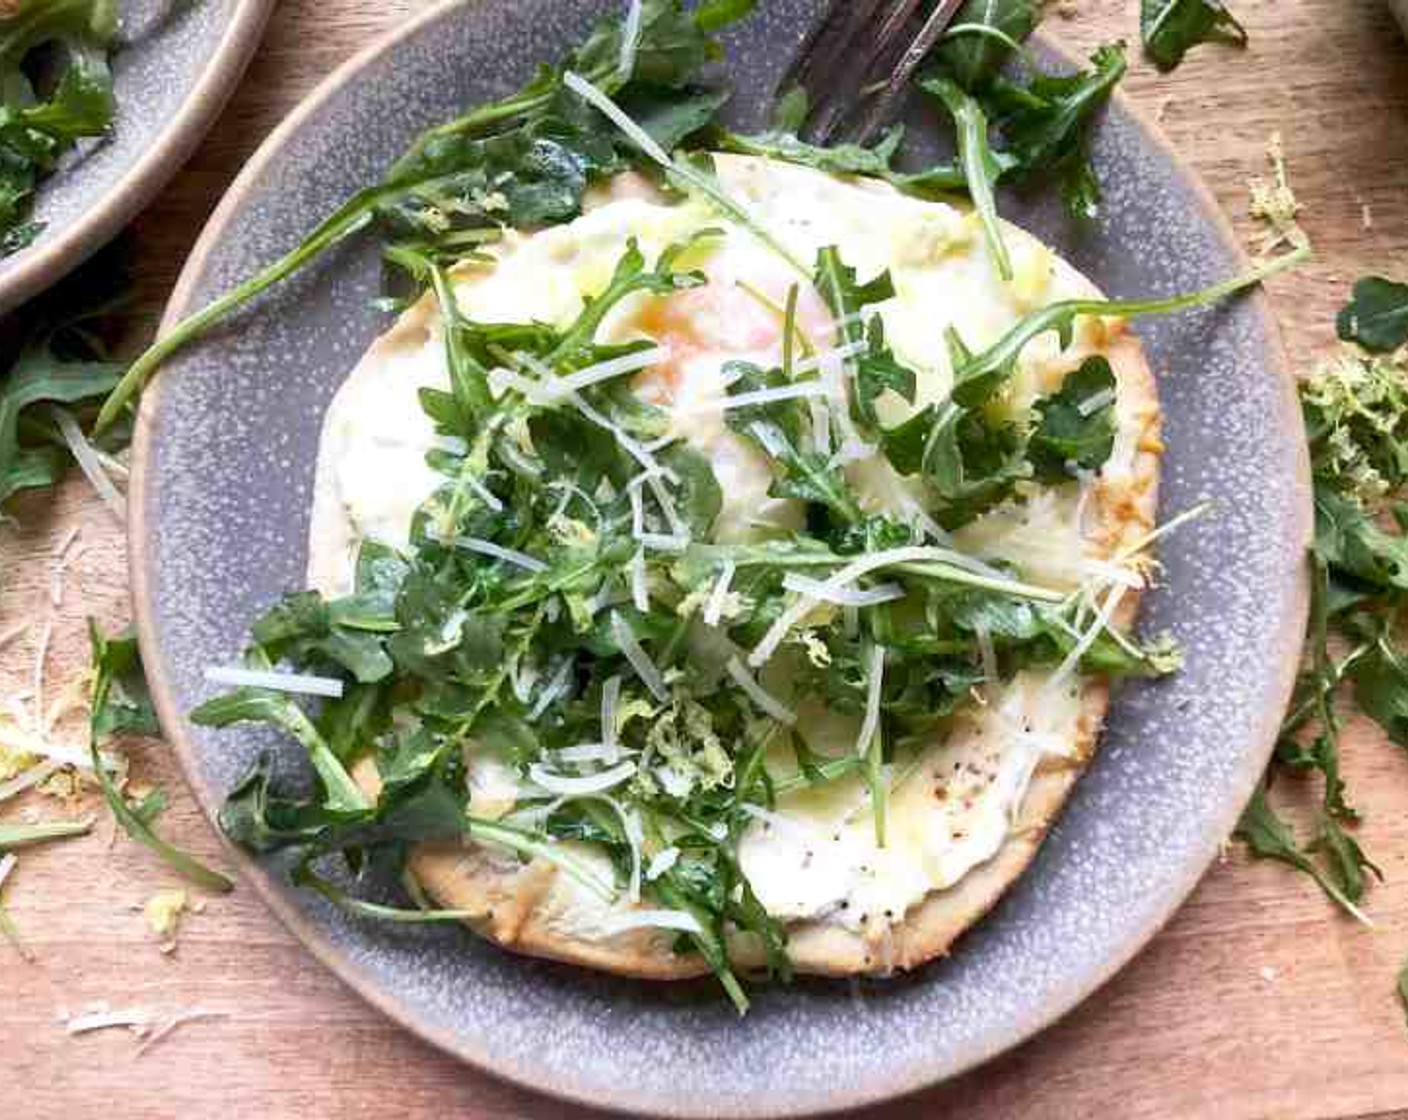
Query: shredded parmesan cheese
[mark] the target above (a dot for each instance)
(767, 703)
(88, 463)
(29, 778)
(610, 700)
(552, 690)
(661, 862)
(713, 608)
(665, 542)
(300, 683)
(639, 659)
(680, 920)
(499, 552)
(870, 723)
(553, 389)
(569, 785)
(844, 596)
(630, 42)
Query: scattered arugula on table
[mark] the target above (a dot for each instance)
(1376, 316)
(1356, 415)
(21, 835)
(1171, 28)
(37, 127)
(59, 353)
(119, 705)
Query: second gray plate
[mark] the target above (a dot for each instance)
(174, 66)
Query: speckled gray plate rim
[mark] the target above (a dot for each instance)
(171, 82)
(209, 546)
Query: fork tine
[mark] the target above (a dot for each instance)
(889, 32)
(882, 109)
(869, 34)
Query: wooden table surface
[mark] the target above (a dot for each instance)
(1257, 1000)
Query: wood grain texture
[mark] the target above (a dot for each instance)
(1256, 1001)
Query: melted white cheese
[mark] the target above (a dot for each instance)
(951, 808)
(948, 811)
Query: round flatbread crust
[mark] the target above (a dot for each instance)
(534, 909)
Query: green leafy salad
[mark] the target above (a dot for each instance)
(565, 603)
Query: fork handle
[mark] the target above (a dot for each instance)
(882, 108)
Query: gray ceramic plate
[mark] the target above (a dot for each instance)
(225, 457)
(172, 74)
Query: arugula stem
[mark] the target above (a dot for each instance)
(19, 835)
(338, 897)
(354, 215)
(143, 833)
(973, 379)
(944, 573)
(135, 825)
(979, 168)
(825, 772)
(11, 933)
(987, 31)
(525, 843)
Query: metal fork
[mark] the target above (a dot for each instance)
(841, 62)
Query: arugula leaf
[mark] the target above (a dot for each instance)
(777, 428)
(845, 295)
(255, 818)
(1348, 541)
(699, 498)
(117, 683)
(1044, 123)
(40, 377)
(1345, 858)
(875, 367)
(878, 372)
(1076, 426)
(875, 370)
(1269, 837)
(127, 707)
(876, 161)
(304, 629)
(979, 40)
(981, 166)
(1376, 316)
(971, 464)
(1381, 688)
(1171, 28)
(629, 278)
